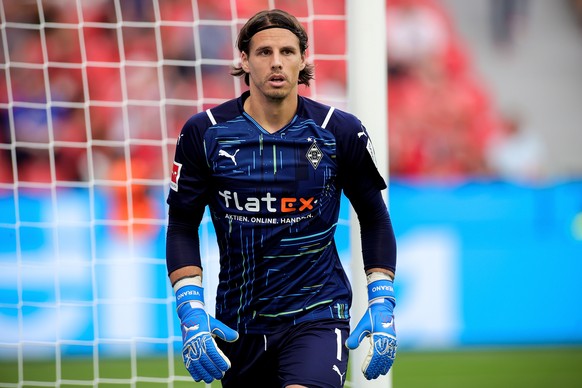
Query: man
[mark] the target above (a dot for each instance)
(271, 166)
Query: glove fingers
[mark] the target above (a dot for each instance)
(353, 341)
(218, 363)
(363, 328)
(381, 356)
(192, 360)
(203, 359)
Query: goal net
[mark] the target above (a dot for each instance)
(93, 94)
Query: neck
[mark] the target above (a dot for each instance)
(271, 114)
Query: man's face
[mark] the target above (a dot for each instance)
(273, 63)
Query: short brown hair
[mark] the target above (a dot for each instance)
(274, 18)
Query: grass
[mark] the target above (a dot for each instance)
(493, 368)
(475, 368)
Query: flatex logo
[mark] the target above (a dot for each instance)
(266, 202)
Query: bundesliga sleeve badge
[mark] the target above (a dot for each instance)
(176, 168)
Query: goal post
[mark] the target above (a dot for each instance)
(367, 99)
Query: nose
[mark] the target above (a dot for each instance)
(276, 64)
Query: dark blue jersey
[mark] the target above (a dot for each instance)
(274, 199)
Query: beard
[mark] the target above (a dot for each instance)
(276, 94)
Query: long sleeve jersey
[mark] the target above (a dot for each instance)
(274, 200)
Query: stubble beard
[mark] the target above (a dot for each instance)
(275, 95)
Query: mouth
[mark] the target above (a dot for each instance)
(277, 79)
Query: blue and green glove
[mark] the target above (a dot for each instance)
(378, 325)
(202, 357)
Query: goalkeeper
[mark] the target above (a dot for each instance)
(271, 167)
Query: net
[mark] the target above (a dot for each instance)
(92, 97)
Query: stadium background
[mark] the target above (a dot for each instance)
(490, 247)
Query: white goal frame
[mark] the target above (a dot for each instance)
(367, 99)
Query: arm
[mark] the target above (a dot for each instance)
(381, 270)
(183, 243)
(377, 234)
(379, 251)
(188, 271)
(187, 200)
(363, 186)
(200, 354)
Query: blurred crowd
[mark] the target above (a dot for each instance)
(88, 98)
(443, 122)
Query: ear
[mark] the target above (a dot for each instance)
(303, 63)
(244, 62)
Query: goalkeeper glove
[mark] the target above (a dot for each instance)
(378, 325)
(202, 357)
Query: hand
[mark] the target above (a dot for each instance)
(378, 325)
(202, 357)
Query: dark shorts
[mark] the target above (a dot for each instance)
(311, 353)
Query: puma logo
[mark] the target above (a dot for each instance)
(360, 134)
(231, 157)
(341, 375)
(386, 325)
(192, 328)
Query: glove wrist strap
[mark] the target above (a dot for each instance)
(380, 287)
(189, 292)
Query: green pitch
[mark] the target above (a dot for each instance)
(511, 368)
(515, 368)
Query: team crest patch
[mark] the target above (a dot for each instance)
(314, 155)
(176, 168)
(370, 148)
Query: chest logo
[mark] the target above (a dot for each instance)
(226, 154)
(314, 155)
